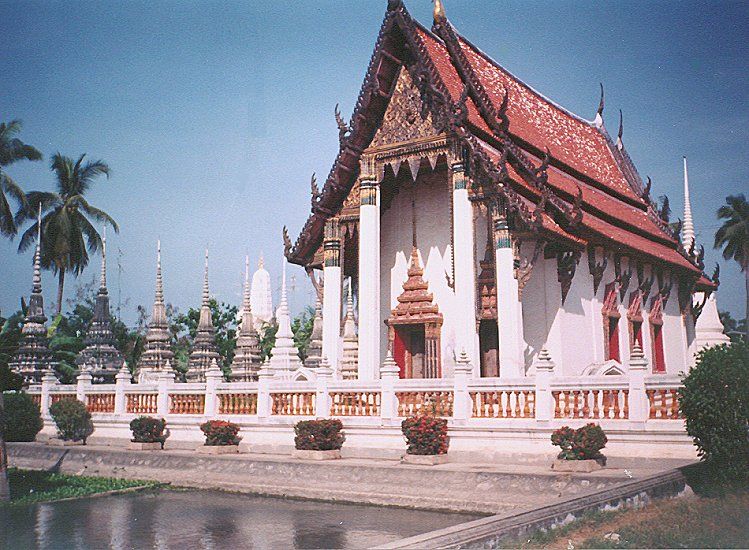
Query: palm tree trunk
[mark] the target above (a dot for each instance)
(60, 286)
(4, 485)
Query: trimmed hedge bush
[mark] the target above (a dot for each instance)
(72, 419)
(715, 403)
(318, 435)
(220, 433)
(23, 419)
(425, 435)
(147, 429)
(582, 444)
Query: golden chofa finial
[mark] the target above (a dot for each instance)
(439, 12)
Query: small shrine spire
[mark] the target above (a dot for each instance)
(246, 362)
(204, 350)
(284, 356)
(159, 298)
(103, 283)
(687, 228)
(37, 277)
(206, 294)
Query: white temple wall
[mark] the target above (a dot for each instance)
(674, 336)
(433, 228)
(577, 335)
(535, 322)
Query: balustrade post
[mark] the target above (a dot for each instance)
(462, 406)
(121, 380)
(213, 378)
(48, 380)
(322, 399)
(639, 405)
(389, 373)
(164, 379)
(84, 381)
(544, 398)
(264, 405)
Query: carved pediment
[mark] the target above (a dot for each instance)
(403, 120)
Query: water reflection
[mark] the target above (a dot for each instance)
(208, 519)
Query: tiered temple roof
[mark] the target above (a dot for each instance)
(563, 176)
(34, 357)
(100, 357)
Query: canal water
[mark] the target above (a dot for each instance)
(209, 519)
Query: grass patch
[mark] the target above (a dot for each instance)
(29, 486)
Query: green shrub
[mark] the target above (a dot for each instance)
(220, 432)
(72, 419)
(147, 429)
(425, 435)
(23, 419)
(318, 435)
(715, 403)
(581, 444)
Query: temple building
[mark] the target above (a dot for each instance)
(204, 350)
(246, 362)
(261, 298)
(157, 354)
(474, 214)
(34, 358)
(100, 357)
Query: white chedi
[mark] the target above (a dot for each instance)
(284, 359)
(261, 299)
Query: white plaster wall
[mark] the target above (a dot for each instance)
(674, 335)
(578, 351)
(433, 227)
(535, 322)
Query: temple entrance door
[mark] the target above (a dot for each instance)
(489, 343)
(409, 347)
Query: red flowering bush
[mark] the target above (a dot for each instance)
(581, 444)
(220, 432)
(147, 429)
(318, 435)
(425, 435)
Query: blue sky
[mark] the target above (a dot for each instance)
(213, 115)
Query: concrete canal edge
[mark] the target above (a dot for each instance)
(490, 531)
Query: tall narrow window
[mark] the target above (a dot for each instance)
(611, 317)
(634, 316)
(655, 318)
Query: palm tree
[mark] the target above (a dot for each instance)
(733, 237)
(11, 150)
(66, 228)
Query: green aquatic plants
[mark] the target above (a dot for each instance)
(147, 429)
(220, 433)
(319, 435)
(23, 419)
(715, 403)
(72, 419)
(581, 444)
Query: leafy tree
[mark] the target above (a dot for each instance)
(12, 149)
(10, 338)
(267, 338)
(67, 228)
(731, 327)
(733, 238)
(224, 317)
(301, 326)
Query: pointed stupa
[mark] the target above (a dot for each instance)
(204, 348)
(157, 354)
(350, 358)
(708, 329)
(687, 228)
(314, 351)
(284, 356)
(261, 299)
(34, 357)
(100, 357)
(246, 363)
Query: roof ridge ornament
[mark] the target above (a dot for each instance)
(619, 142)
(598, 121)
(343, 127)
(439, 12)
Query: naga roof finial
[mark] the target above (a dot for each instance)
(619, 142)
(599, 113)
(439, 12)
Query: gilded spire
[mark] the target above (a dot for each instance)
(439, 12)
(159, 281)
(206, 295)
(246, 297)
(687, 229)
(103, 285)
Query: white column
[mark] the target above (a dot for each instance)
(389, 372)
(544, 374)
(509, 307)
(164, 379)
(369, 280)
(462, 406)
(639, 405)
(467, 337)
(121, 380)
(48, 381)
(322, 398)
(264, 378)
(331, 303)
(213, 377)
(83, 384)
